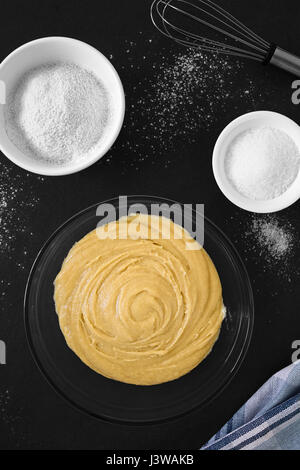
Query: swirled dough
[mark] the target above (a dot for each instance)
(141, 311)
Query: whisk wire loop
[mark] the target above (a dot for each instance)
(235, 21)
(204, 40)
(215, 18)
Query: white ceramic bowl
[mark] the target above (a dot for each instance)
(55, 49)
(254, 120)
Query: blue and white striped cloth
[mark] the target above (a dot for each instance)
(270, 420)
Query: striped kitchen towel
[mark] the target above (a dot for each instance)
(270, 420)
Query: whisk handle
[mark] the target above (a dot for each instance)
(286, 61)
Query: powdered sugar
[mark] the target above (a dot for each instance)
(57, 112)
(262, 163)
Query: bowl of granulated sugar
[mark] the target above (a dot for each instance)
(62, 106)
(256, 162)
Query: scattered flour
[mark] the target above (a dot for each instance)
(57, 113)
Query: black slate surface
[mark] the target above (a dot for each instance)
(32, 416)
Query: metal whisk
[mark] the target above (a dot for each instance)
(185, 21)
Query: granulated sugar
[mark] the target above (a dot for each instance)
(11, 418)
(275, 241)
(16, 198)
(177, 96)
(262, 163)
(57, 112)
(4, 401)
(189, 93)
(186, 95)
(271, 243)
(5, 415)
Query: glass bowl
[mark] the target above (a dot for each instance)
(115, 401)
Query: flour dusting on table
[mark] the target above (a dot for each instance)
(57, 113)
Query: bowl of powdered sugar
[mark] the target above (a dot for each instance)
(63, 108)
(256, 162)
